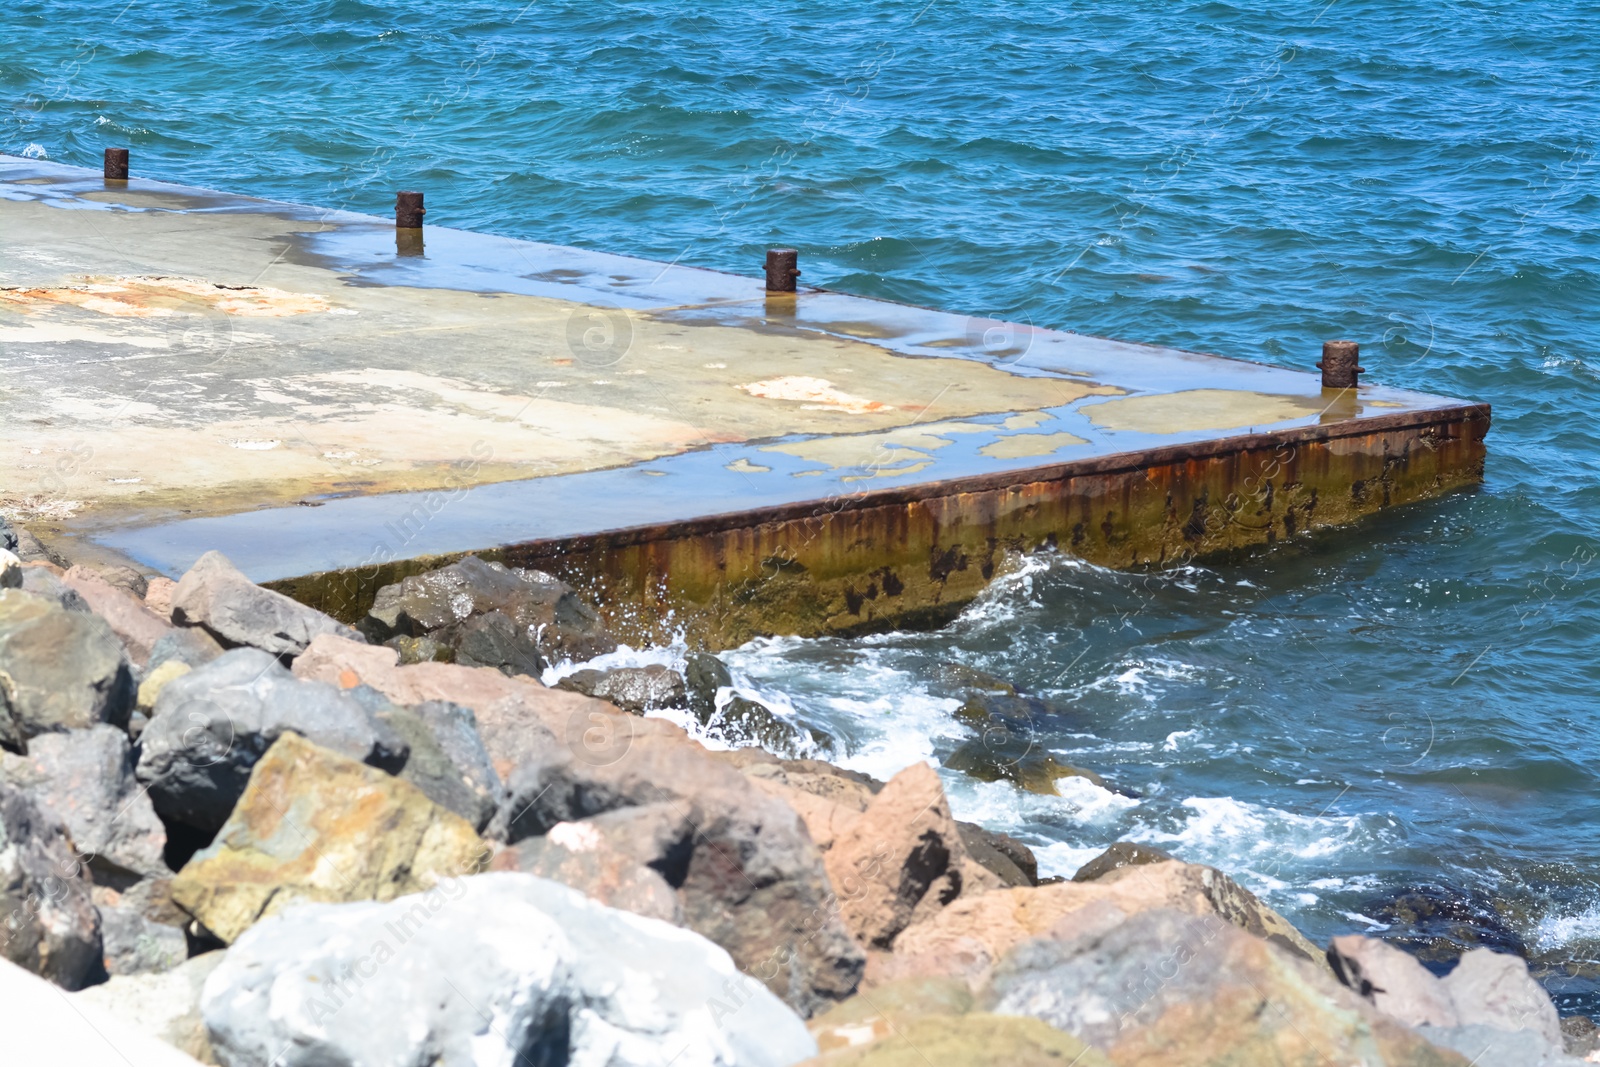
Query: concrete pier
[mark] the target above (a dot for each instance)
(336, 403)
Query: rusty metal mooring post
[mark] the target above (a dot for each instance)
(1339, 359)
(782, 269)
(408, 211)
(117, 164)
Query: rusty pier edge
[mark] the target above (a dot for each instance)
(911, 557)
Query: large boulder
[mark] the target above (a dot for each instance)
(554, 978)
(50, 925)
(1487, 991)
(749, 877)
(43, 1026)
(236, 611)
(902, 854)
(138, 627)
(583, 856)
(912, 1024)
(313, 825)
(633, 689)
(165, 1006)
(447, 760)
(1165, 988)
(59, 669)
(210, 726)
(85, 777)
(554, 620)
(966, 938)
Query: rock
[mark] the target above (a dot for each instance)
(1016, 760)
(45, 579)
(313, 825)
(633, 689)
(959, 678)
(165, 1006)
(59, 669)
(141, 929)
(1486, 991)
(50, 927)
(158, 596)
(138, 627)
(1169, 988)
(975, 1040)
(1437, 922)
(753, 881)
(1580, 1035)
(10, 570)
(1121, 854)
(742, 721)
(987, 711)
(967, 937)
(576, 854)
(236, 611)
(85, 777)
(902, 852)
(155, 681)
(447, 760)
(556, 978)
(423, 650)
(703, 675)
(493, 640)
(558, 623)
(8, 535)
(190, 646)
(43, 1026)
(1004, 856)
(212, 724)
(127, 579)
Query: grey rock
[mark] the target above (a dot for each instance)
(1001, 854)
(446, 759)
(50, 925)
(555, 978)
(1482, 1045)
(211, 726)
(236, 611)
(1120, 854)
(557, 621)
(633, 689)
(44, 582)
(1494, 989)
(165, 1006)
(59, 669)
(749, 876)
(577, 854)
(493, 640)
(8, 535)
(134, 938)
(421, 650)
(742, 721)
(85, 777)
(189, 645)
(703, 675)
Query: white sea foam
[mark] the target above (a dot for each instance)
(1558, 931)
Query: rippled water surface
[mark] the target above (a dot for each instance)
(1408, 703)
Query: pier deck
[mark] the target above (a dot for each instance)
(335, 407)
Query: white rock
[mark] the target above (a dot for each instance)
(494, 970)
(10, 570)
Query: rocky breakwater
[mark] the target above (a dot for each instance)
(268, 838)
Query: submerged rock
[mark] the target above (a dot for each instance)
(742, 721)
(59, 670)
(545, 614)
(313, 825)
(211, 726)
(233, 609)
(1016, 761)
(1437, 922)
(556, 978)
(703, 676)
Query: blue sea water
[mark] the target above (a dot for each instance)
(1351, 715)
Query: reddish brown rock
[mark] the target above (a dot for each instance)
(129, 618)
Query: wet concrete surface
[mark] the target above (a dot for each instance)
(183, 370)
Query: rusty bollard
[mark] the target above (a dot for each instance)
(408, 211)
(782, 269)
(117, 164)
(1339, 369)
